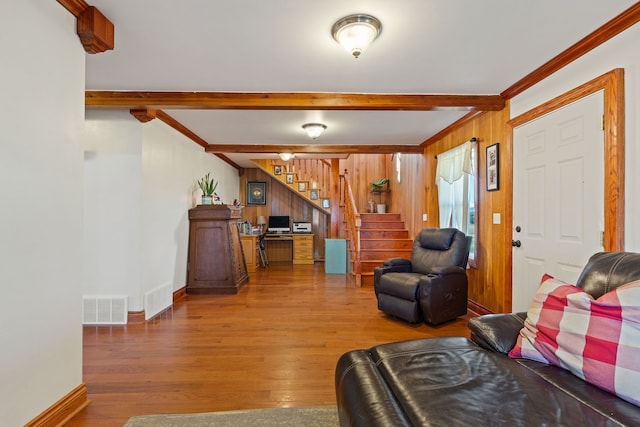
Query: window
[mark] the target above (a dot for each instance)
(456, 178)
(398, 166)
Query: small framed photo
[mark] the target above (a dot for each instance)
(302, 186)
(256, 193)
(326, 203)
(313, 194)
(277, 170)
(290, 177)
(493, 167)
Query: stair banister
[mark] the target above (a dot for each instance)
(352, 224)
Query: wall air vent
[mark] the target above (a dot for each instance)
(104, 310)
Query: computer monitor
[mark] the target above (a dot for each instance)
(279, 224)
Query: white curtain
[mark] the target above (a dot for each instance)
(452, 178)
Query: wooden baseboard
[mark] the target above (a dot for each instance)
(63, 410)
(180, 294)
(139, 316)
(477, 309)
(135, 317)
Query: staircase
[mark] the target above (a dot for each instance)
(372, 237)
(382, 236)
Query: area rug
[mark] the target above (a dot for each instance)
(311, 416)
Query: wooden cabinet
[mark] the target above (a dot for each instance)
(250, 249)
(303, 248)
(216, 263)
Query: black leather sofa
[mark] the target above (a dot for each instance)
(455, 381)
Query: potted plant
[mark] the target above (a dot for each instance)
(378, 187)
(208, 186)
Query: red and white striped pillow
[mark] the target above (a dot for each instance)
(597, 340)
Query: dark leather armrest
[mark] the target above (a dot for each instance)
(497, 332)
(398, 263)
(391, 265)
(448, 270)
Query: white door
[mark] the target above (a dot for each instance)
(558, 195)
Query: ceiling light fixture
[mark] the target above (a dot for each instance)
(314, 130)
(356, 32)
(286, 156)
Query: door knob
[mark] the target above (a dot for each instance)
(516, 243)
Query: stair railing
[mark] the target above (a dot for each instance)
(352, 228)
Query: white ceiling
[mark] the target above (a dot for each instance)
(466, 47)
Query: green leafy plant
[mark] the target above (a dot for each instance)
(208, 185)
(379, 186)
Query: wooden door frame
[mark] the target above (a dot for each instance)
(612, 84)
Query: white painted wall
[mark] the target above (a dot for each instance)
(171, 166)
(619, 52)
(41, 122)
(140, 182)
(112, 211)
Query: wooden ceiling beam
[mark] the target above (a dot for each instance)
(146, 115)
(95, 31)
(75, 7)
(313, 149)
(290, 101)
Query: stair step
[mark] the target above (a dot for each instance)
(380, 217)
(384, 234)
(382, 225)
(377, 254)
(366, 280)
(386, 243)
(367, 266)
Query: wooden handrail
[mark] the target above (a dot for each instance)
(352, 224)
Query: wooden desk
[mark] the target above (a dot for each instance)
(289, 247)
(250, 249)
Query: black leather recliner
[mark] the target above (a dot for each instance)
(432, 285)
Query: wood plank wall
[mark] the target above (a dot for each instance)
(282, 201)
(411, 191)
(362, 169)
(491, 277)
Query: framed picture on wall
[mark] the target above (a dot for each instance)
(326, 203)
(302, 186)
(277, 170)
(313, 194)
(256, 193)
(493, 167)
(290, 177)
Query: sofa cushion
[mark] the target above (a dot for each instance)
(596, 339)
(450, 381)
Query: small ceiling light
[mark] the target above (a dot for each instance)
(356, 32)
(314, 130)
(286, 156)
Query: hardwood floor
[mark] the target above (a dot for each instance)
(275, 344)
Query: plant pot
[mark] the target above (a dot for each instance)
(207, 200)
(381, 208)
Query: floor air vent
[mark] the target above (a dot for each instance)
(110, 310)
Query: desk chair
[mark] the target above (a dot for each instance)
(264, 261)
